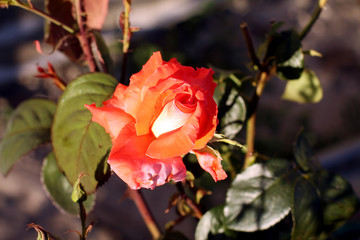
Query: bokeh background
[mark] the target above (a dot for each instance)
(198, 33)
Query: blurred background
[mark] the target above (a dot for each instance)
(198, 33)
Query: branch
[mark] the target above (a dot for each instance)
(83, 38)
(143, 208)
(40, 13)
(313, 19)
(250, 45)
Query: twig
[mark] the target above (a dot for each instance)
(250, 45)
(83, 221)
(40, 13)
(143, 208)
(127, 33)
(83, 38)
(189, 201)
(313, 19)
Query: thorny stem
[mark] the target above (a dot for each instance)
(42, 14)
(249, 44)
(143, 208)
(263, 77)
(313, 19)
(127, 32)
(83, 37)
(189, 201)
(251, 122)
(83, 221)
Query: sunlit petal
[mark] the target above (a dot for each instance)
(170, 118)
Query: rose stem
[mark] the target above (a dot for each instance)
(83, 37)
(83, 221)
(143, 208)
(262, 78)
(42, 14)
(313, 19)
(127, 32)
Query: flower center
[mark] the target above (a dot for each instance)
(173, 116)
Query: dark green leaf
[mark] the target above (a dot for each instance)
(80, 145)
(260, 196)
(285, 50)
(60, 189)
(28, 127)
(212, 222)
(304, 156)
(232, 109)
(293, 67)
(307, 212)
(170, 235)
(338, 198)
(104, 52)
(306, 89)
(78, 194)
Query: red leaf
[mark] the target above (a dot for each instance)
(56, 36)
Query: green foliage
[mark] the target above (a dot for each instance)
(285, 50)
(60, 189)
(339, 202)
(303, 153)
(307, 212)
(104, 52)
(323, 202)
(212, 222)
(28, 127)
(306, 89)
(80, 145)
(260, 196)
(232, 107)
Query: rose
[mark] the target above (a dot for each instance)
(166, 111)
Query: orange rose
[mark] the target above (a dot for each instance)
(166, 111)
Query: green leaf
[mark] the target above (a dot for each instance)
(338, 199)
(28, 127)
(304, 156)
(59, 188)
(232, 109)
(306, 89)
(80, 145)
(104, 52)
(285, 50)
(78, 194)
(170, 235)
(212, 222)
(221, 138)
(307, 212)
(260, 196)
(293, 67)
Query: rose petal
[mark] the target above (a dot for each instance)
(170, 118)
(112, 119)
(208, 122)
(153, 104)
(145, 79)
(118, 97)
(210, 160)
(176, 143)
(128, 160)
(199, 77)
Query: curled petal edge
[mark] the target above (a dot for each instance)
(210, 160)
